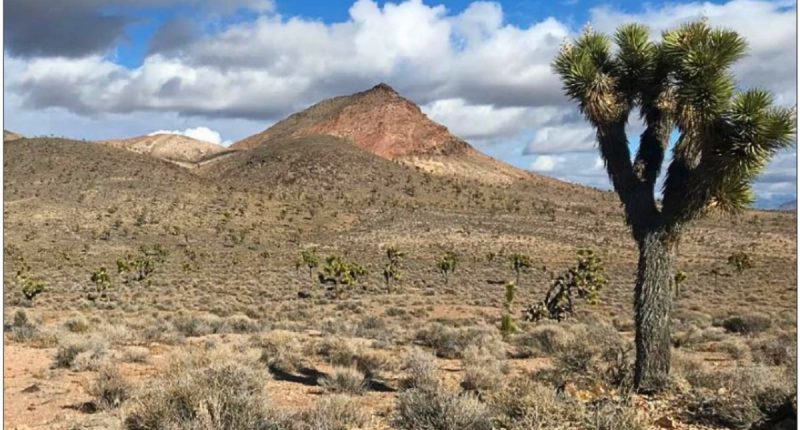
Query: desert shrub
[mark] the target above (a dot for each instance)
(109, 388)
(450, 342)
(744, 396)
(575, 357)
(22, 328)
(203, 390)
(77, 324)
(527, 404)
(440, 409)
(197, 325)
(81, 354)
(345, 380)
(611, 415)
(336, 412)
(135, 354)
(280, 350)
(735, 348)
(747, 324)
(372, 327)
(774, 350)
(421, 370)
(544, 339)
(483, 372)
(241, 324)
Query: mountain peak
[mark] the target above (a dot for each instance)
(383, 87)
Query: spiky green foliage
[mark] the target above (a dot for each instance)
(29, 285)
(391, 271)
(682, 81)
(308, 258)
(101, 280)
(446, 264)
(679, 278)
(507, 325)
(519, 263)
(585, 280)
(139, 268)
(340, 274)
(740, 261)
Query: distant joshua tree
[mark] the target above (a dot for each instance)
(391, 271)
(28, 285)
(309, 259)
(446, 264)
(519, 263)
(740, 261)
(340, 274)
(682, 82)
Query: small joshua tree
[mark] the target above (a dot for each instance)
(446, 264)
(584, 281)
(140, 268)
(507, 325)
(391, 271)
(740, 261)
(28, 285)
(309, 259)
(341, 274)
(680, 277)
(519, 263)
(101, 279)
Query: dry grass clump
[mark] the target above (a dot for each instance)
(22, 328)
(441, 409)
(198, 325)
(341, 352)
(483, 372)
(421, 370)
(81, 353)
(77, 324)
(240, 324)
(743, 396)
(450, 342)
(280, 350)
(776, 350)
(530, 405)
(110, 389)
(335, 412)
(345, 380)
(610, 415)
(135, 354)
(543, 340)
(204, 390)
(747, 324)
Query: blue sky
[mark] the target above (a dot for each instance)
(221, 70)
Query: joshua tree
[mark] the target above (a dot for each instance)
(680, 277)
(140, 268)
(447, 264)
(507, 325)
(340, 273)
(101, 280)
(391, 272)
(740, 261)
(519, 263)
(309, 259)
(28, 285)
(725, 138)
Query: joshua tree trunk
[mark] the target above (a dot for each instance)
(653, 304)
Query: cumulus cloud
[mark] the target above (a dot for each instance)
(200, 133)
(489, 81)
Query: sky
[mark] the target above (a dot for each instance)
(221, 70)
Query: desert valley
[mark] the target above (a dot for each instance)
(157, 272)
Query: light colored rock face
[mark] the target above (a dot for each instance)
(381, 121)
(8, 136)
(170, 147)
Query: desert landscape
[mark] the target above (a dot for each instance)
(348, 268)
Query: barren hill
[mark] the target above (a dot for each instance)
(170, 147)
(381, 121)
(8, 136)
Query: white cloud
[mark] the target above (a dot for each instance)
(200, 133)
(562, 138)
(546, 163)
